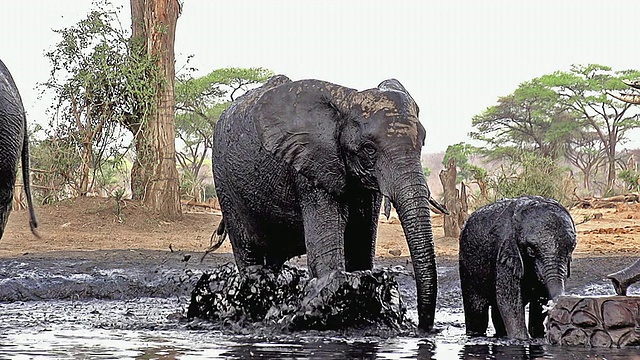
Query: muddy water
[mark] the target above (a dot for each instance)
(133, 304)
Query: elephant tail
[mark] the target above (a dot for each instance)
(217, 238)
(26, 179)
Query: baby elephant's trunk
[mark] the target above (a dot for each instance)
(555, 288)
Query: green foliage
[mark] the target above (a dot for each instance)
(532, 175)
(563, 114)
(584, 92)
(210, 191)
(111, 175)
(199, 104)
(97, 86)
(426, 171)
(55, 163)
(467, 171)
(631, 179)
(530, 119)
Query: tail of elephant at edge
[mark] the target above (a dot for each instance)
(26, 179)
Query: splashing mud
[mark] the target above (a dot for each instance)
(290, 300)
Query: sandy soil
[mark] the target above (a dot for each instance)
(102, 224)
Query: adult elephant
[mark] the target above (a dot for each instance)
(302, 167)
(14, 145)
(514, 252)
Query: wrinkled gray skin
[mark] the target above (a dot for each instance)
(14, 145)
(301, 167)
(514, 252)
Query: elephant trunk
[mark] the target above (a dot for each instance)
(409, 194)
(625, 277)
(555, 288)
(555, 273)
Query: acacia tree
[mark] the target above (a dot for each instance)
(530, 119)
(93, 88)
(584, 90)
(199, 104)
(154, 176)
(586, 152)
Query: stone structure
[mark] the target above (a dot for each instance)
(607, 321)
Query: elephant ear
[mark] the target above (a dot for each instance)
(298, 123)
(509, 255)
(395, 85)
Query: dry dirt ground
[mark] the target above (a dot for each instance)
(103, 224)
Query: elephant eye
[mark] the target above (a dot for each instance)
(369, 149)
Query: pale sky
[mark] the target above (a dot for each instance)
(454, 57)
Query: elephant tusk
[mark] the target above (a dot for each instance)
(437, 207)
(387, 207)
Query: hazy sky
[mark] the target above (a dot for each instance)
(455, 57)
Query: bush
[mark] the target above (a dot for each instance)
(533, 175)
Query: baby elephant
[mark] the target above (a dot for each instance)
(514, 252)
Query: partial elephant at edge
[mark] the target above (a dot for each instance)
(14, 142)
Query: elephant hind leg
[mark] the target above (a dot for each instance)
(476, 306)
(498, 322)
(476, 315)
(245, 239)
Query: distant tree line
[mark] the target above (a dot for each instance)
(109, 93)
(557, 135)
(116, 98)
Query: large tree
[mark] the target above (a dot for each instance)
(94, 85)
(154, 176)
(584, 90)
(530, 119)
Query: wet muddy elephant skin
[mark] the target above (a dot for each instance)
(14, 145)
(302, 167)
(514, 252)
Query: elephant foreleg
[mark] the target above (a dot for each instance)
(361, 231)
(324, 222)
(498, 323)
(511, 305)
(536, 318)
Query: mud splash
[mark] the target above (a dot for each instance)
(290, 300)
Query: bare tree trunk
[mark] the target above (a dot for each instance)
(85, 169)
(154, 21)
(455, 202)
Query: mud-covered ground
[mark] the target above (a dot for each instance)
(110, 280)
(99, 233)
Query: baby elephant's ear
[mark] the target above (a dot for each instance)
(298, 124)
(508, 255)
